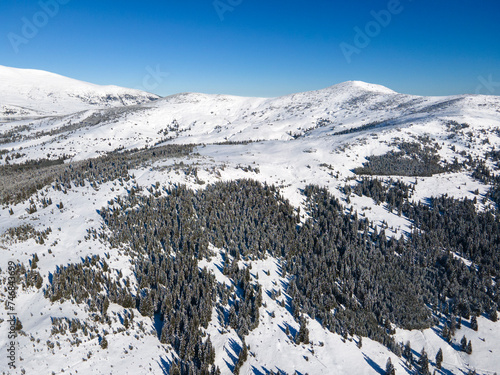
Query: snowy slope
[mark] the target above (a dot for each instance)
(350, 107)
(315, 137)
(28, 92)
(140, 352)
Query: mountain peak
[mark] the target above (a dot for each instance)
(361, 86)
(30, 92)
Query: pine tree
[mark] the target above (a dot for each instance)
(473, 323)
(104, 343)
(303, 334)
(39, 282)
(423, 362)
(243, 356)
(174, 370)
(34, 262)
(389, 367)
(468, 349)
(19, 325)
(463, 344)
(493, 315)
(407, 352)
(453, 325)
(146, 305)
(446, 333)
(439, 358)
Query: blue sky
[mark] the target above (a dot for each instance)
(259, 48)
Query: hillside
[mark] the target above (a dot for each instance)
(35, 93)
(315, 233)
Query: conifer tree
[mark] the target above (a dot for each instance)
(303, 334)
(104, 342)
(439, 358)
(473, 323)
(389, 367)
(423, 362)
(174, 370)
(463, 344)
(407, 354)
(468, 349)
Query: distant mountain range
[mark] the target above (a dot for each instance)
(123, 118)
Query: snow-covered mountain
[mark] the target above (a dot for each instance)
(318, 137)
(201, 118)
(31, 93)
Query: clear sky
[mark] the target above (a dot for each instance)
(259, 48)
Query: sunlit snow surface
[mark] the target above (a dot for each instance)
(296, 143)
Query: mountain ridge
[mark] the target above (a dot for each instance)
(30, 92)
(91, 129)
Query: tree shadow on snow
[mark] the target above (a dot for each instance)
(281, 372)
(293, 331)
(219, 267)
(265, 371)
(236, 348)
(447, 372)
(165, 365)
(438, 331)
(373, 364)
(158, 324)
(256, 371)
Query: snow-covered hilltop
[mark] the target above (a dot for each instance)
(296, 212)
(31, 93)
(101, 119)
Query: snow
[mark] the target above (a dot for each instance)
(29, 92)
(485, 346)
(291, 147)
